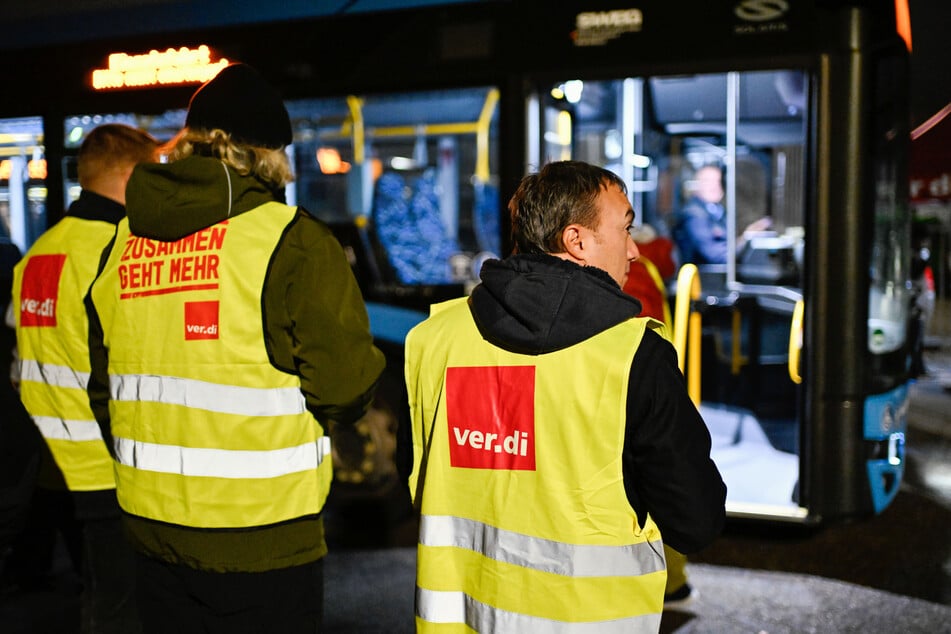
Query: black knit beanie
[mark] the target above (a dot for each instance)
(239, 101)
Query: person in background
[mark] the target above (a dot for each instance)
(699, 228)
(554, 445)
(228, 336)
(76, 490)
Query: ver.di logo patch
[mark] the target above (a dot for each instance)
(201, 320)
(39, 292)
(491, 417)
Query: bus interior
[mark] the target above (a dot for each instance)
(22, 180)
(655, 132)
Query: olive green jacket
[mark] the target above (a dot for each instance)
(315, 326)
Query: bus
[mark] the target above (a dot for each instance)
(413, 126)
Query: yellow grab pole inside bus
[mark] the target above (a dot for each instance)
(355, 105)
(687, 321)
(795, 342)
(482, 135)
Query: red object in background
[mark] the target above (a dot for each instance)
(643, 285)
(929, 170)
(660, 251)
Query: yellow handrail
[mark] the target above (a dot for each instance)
(355, 104)
(688, 321)
(482, 135)
(795, 342)
(356, 128)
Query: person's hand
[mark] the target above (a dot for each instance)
(763, 224)
(757, 226)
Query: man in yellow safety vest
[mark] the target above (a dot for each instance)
(76, 490)
(555, 447)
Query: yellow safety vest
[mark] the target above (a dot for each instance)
(208, 433)
(525, 525)
(52, 334)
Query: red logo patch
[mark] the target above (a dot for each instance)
(201, 320)
(491, 415)
(40, 290)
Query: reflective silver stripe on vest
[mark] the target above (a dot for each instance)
(572, 560)
(457, 607)
(212, 397)
(53, 428)
(50, 374)
(221, 463)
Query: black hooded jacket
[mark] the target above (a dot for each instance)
(534, 304)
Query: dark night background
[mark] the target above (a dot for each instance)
(930, 57)
(27, 23)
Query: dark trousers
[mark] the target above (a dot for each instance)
(108, 599)
(52, 515)
(91, 529)
(180, 600)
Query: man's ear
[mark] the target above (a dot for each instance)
(572, 241)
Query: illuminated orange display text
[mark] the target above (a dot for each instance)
(157, 68)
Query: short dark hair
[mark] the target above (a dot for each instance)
(113, 145)
(560, 194)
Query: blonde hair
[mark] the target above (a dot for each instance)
(270, 166)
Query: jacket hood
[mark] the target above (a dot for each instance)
(167, 201)
(534, 304)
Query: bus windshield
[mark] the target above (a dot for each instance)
(889, 270)
(716, 168)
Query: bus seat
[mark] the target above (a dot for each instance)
(439, 246)
(389, 212)
(410, 230)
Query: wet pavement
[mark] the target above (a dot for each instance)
(907, 548)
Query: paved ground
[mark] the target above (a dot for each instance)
(376, 596)
(371, 591)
